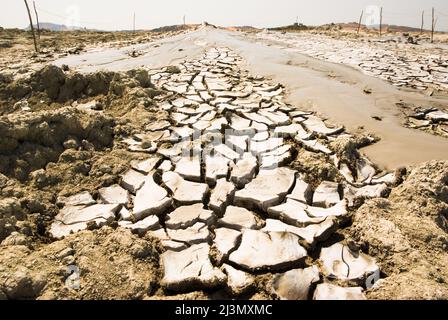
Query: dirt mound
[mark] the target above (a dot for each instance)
(89, 265)
(346, 148)
(53, 119)
(29, 141)
(314, 167)
(408, 233)
(54, 85)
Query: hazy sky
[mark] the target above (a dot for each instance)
(117, 14)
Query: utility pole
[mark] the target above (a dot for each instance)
(134, 23)
(433, 25)
(423, 22)
(37, 20)
(381, 21)
(360, 20)
(184, 19)
(32, 27)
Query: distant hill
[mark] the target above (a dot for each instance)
(55, 27)
(242, 28)
(177, 27)
(293, 27)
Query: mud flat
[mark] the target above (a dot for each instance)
(399, 62)
(181, 177)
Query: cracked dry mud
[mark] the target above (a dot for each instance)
(220, 185)
(229, 137)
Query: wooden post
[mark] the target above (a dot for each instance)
(37, 20)
(32, 27)
(432, 26)
(381, 21)
(423, 22)
(360, 20)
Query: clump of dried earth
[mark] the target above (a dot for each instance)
(408, 232)
(175, 182)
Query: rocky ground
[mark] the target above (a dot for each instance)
(175, 182)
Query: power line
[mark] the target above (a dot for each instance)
(62, 17)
